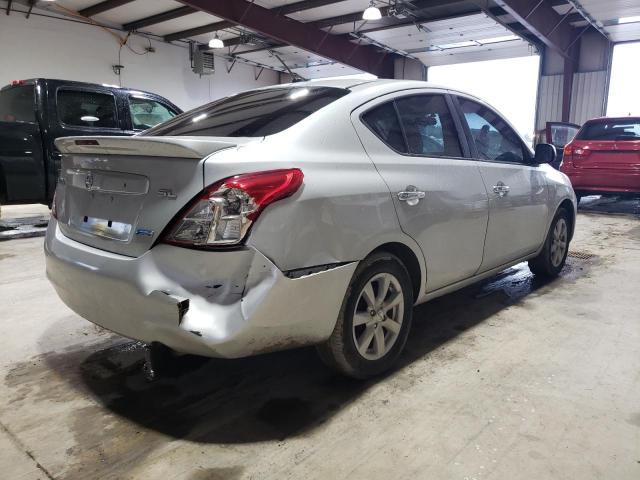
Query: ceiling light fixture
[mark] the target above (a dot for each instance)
(372, 12)
(216, 42)
(504, 38)
(634, 19)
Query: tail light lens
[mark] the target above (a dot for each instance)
(580, 152)
(573, 151)
(223, 213)
(568, 151)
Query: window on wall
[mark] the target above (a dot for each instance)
(624, 93)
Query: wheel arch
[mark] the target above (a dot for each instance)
(410, 260)
(568, 206)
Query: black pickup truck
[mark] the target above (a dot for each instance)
(33, 113)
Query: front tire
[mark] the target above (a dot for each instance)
(374, 320)
(553, 256)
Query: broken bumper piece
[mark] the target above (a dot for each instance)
(221, 304)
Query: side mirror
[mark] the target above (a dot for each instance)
(545, 153)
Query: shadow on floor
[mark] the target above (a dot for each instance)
(279, 395)
(628, 205)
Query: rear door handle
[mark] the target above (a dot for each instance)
(411, 195)
(501, 189)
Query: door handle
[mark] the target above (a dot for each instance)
(411, 195)
(501, 189)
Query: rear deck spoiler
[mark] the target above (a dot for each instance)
(178, 147)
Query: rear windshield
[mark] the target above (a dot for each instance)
(251, 114)
(611, 130)
(17, 104)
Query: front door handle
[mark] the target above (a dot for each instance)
(411, 195)
(501, 189)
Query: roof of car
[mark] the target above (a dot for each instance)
(31, 81)
(615, 119)
(358, 84)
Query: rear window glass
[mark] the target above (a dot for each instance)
(17, 104)
(383, 121)
(251, 114)
(612, 130)
(81, 108)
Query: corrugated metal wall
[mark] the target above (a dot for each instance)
(587, 97)
(549, 100)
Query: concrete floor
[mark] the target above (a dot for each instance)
(510, 378)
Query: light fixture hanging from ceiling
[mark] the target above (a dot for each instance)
(372, 12)
(216, 42)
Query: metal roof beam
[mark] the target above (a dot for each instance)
(468, 10)
(543, 22)
(286, 30)
(159, 18)
(212, 27)
(102, 7)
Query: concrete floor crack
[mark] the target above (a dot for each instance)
(16, 441)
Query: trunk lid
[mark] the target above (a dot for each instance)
(607, 154)
(118, 194)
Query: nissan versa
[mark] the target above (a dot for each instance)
(316, 213)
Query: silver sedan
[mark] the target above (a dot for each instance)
(315, 213)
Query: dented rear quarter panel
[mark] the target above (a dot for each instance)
(342, 212)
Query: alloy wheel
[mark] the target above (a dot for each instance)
(378, 316)
(559, 242)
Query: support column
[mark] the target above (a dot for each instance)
(570, 66)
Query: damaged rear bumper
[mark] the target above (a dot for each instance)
(222, 304)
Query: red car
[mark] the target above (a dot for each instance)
(604, 157)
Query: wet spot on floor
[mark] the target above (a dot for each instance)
(230, 473)
(635, 420)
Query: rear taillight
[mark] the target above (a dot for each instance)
(223, 213)
(572, 150)
(572, 153)
(568, 151)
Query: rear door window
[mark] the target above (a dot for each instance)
(17, 104)
(255, 113)
(611, 130)
(384, 122)
(147, 113)
(83, 108)
(428, 126)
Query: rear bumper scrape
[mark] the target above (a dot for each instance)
(222, 304)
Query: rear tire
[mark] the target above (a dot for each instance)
(553, 256)
(374, 320)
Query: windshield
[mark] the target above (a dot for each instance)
(611, 130)
(251, 114)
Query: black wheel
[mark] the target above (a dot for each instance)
(374, 320)
(551, 259)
